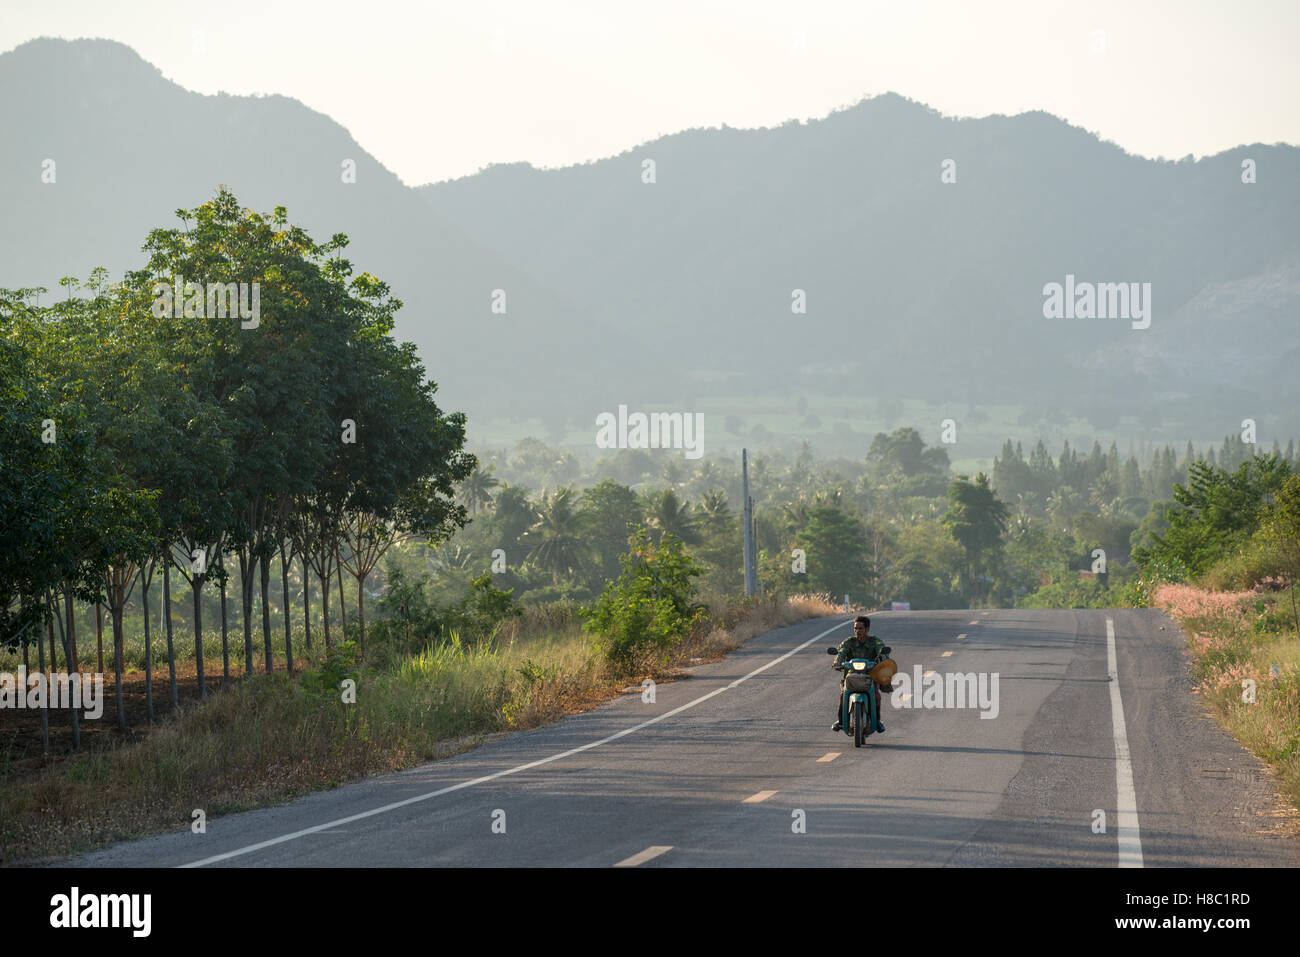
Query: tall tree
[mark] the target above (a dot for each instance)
(556, 537)
(976, 518)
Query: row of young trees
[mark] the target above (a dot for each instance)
(145, 433)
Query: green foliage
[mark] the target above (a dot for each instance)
(1266, 619)
(483, 609)
(977, 519)
(610, 511)
(1280, 527)
(903, 451)
(1069, 589)
(1139, 590)
(648, 610)
(338, 665)
(408, 619)
(1216, 512)
(1033, 553)
(557, 544)
(534, 673)
(837, 549)
(921, 585)
(1280, 533)
(411, 619)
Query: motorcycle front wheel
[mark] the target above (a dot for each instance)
(859, 722)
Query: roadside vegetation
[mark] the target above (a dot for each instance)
(1228, 570)
(272, 737)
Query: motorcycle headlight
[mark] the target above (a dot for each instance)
(859, 666)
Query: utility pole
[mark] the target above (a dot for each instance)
(748, 519)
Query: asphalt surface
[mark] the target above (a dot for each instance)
(738, 767)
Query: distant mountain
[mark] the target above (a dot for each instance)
(918, 286)
(670, 293)
(130, 148)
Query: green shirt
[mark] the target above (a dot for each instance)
(852, 647)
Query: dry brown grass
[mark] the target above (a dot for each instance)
(1247, 660)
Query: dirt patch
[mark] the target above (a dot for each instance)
(20, 729)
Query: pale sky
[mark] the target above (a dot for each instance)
(438, 90)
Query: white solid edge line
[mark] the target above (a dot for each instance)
(500, 774)
(1130, 837)
(649, 854)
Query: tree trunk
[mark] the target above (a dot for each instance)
(1294, 614)
(361, 612)
(343, 611)
(246, 599)
(167, 607)
(69, 660)
(99, 635)
(266, 614)
(196, 586)
(284, 597)
(306, 603)
(325, 606)
(72, 629)
(148, 649)
(116, 611)
(53, 662)
(225, 641)
(45, 708)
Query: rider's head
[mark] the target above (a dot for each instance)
(860, 626)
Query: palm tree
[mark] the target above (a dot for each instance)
(715, 512)
(556, 535)
(707, 476)
(668, 514)
(1103, 492)
(476, 491)
(450, 557)
(794, 516)
(829, 498)
(1061, 506)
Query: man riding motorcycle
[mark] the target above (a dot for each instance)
(860, 645)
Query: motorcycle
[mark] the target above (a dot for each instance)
(858, 715)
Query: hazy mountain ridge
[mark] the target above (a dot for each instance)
(1051, 200)
(623, 292)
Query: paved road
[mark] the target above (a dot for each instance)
(735, 757)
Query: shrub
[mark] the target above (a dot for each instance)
(411, 620)
(647, 611)
(338, 665)
(408, 619)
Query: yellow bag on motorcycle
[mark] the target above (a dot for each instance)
(883, 673)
